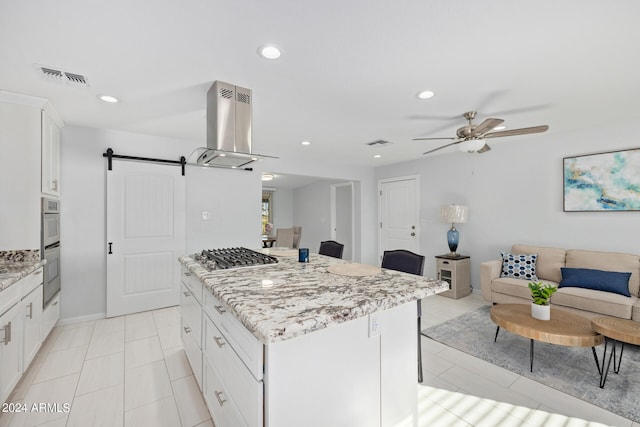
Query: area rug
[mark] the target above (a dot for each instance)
(571, 370)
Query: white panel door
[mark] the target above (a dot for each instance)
(145, 236)
(398, 208)
(342, 217)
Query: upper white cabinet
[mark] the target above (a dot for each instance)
(23, 137)
(50, 155)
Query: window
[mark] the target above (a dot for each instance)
(267, 212)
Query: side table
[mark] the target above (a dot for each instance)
(456, 271)
(615, 330)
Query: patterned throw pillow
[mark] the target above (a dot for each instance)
(519, 266)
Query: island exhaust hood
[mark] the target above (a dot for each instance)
(229, 117)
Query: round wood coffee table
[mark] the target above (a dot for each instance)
(563, 328)
(615, 330)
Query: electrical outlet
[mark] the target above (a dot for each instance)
(374, 325)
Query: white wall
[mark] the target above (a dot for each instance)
(515, 194)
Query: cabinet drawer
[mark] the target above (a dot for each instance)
(50, 316)
(191, 313)
(193, 283)
(248, 347)
(32, 281)
(11, 295)
(243, 389)
(193, 352)
(223, 411)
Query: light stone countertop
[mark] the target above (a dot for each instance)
(305, 297)
(16, 264)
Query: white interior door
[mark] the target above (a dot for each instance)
(145, 236)
(399, 215)
(342, 217)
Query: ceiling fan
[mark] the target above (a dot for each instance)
(473, 135)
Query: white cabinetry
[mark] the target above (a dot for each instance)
(233, 368)
(191, 327)
(50, 316)
(50, 155)
(20, 329)
(10, 350)
(32, 309)
(21, 162)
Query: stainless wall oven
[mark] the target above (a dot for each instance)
(51, 247)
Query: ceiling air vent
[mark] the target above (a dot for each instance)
(55, 75)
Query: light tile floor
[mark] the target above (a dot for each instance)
(132, 371)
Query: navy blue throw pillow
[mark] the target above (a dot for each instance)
(599, 280)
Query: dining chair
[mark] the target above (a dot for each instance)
(284, 238)
(331, 248)
(297, 234)
(408, 262)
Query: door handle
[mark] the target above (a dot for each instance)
(7, 333)
(220, 399)
(187, 329)
(30, 315)
(220, 309)
(110, 252)
(219, 341)
(413, 234)
(187, 294)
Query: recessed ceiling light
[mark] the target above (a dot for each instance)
(426, 94)
(270, 51)
(377, 156)
(108, 98)
(501, 127)
(267, 177)
(305, 143)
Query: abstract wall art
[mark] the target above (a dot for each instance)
(602, 182)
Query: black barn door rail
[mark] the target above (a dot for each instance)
(110, 156)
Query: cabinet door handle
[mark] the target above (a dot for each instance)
(7, 333)
(110, 251)
(220, 309)
(219, 341)
(30, 315)
(187, 329)
(187, 273)
(186, 294)
(220, 399)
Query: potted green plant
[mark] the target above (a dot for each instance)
(541, 294)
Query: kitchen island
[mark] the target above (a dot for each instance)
(324, 343)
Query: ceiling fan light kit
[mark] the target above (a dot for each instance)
(471, 145)
(470, 138)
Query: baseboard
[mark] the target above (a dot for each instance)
(80, 319)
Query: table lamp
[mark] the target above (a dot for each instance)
(454, 214)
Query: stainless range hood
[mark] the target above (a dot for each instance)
(229, 117)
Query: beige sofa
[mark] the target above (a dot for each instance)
(585, 302)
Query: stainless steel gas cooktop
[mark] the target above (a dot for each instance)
(227, 258)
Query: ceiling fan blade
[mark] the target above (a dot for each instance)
(441, 147)
(484, 149)
(521, 131)
(486, 126)
(430, 139)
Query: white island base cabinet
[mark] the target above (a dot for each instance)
(339, 376)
